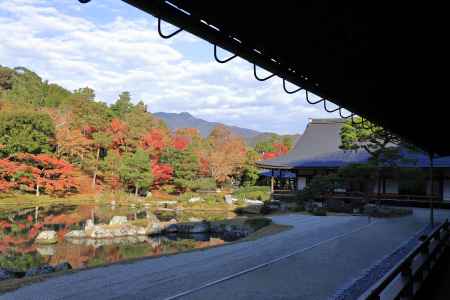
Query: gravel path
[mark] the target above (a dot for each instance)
(311, 261)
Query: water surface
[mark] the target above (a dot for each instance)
(18, 230)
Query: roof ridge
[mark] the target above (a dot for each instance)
(327, 120)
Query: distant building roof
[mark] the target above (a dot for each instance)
(319, 147)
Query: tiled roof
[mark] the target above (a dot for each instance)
(318, 147)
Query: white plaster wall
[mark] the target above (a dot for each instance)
(446, 191)
(301, 183)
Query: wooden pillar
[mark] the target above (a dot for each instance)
(296, 181)
(271, 182)
(431, 190)
(281, 181)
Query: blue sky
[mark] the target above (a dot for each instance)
(113, 47)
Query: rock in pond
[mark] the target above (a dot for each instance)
(192, 219)
(195, 199)
(89, 224)
(118, 220)
(99, 232)
(47, 237)
(45, 269)
(62, 267)
(153, 228)
(230, 200)
(6, 274)
(253, 202)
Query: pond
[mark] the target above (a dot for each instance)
(20, 252)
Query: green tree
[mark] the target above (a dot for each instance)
(86, 93)
(123, 105)
(139, 122)
(250, 173)
(110, 168)
(266, 145)
(55, 95)
(288, 141)
(185, 165)
(24, 131)
(26, 87)
(102, 140)
(136, 170)
(379, 143)
(6, 75)
(359, 176)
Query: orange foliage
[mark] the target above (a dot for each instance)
(53, 175)
(280, 149)
(227, 154)
(119, 132)
(155, 141)
(162, 173)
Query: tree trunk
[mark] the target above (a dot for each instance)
(94, 178)
(37, 190)
(378, 177)
(36, 214)
(136, 190)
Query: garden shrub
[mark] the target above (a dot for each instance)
(204, 184)
(254, 192)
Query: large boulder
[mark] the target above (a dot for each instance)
(99, 232)
(122, 230)
(62, 267)
(118, 220)
(253, 202)
(6, 274)
(47, 237)
(46, 250)
(75, 234)
(195, 200)
(230, 200)
(153, 228)
(89, 224)
(193, 219)
(252, 206)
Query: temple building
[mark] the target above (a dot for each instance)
(318, 152)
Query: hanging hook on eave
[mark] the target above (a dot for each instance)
(345, 117)
(329, 110)
(258, 78)
(169, 35)
(220, 60)
(364, 123)
(290, 92)
(312, 102)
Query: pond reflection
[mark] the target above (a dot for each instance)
(19, 229)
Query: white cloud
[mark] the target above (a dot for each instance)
(121, 53)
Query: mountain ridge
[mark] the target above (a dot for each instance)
(185, 120)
